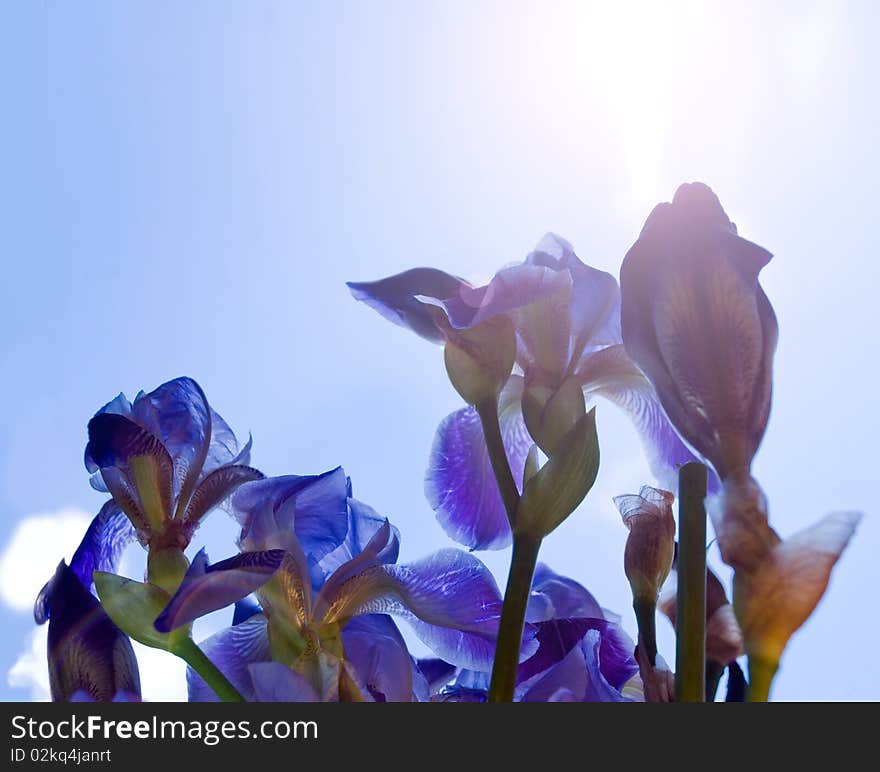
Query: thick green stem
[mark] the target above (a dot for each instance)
(690, 649)
(190, 653)
(513, 614)
(761, 673)
(488, 412)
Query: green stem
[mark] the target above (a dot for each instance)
(513, 614)
(190, 653)
(690, 648)
(488, 412)
(761, 673)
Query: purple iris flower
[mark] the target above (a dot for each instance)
(167, 459)
(323, 566)
(566, 317)
(583, 655)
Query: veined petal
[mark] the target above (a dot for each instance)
(395, 298)
(376, 650)
(116, 442)
(87, 652)
(283, 512)
(177, 412)
(232, 650)
(224, 448)
(611, 374)
(774, 600)
(275, 682)
(215, 488)
(206, 588)
(450, 598)
(460, 485)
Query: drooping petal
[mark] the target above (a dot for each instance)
(611, 374)
(206, 588)
(460, 485)
(232, 650)
(294, 513)
(177, 412)
(396, 298)
(87, 652)
(275, 682)
(376, 650)
(215, 488)
(450, 598)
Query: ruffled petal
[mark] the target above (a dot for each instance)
(611, 374)
(396, 298)
(363, 525)
(177, 412)
(206, 588)
(283, 512)
(232, 650)
(460, 485)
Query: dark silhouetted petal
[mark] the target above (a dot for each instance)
(460, 484)
(87, 652)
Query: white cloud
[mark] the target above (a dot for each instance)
(163, 676)
(31, 555)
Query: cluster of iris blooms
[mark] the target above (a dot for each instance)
(684, 345)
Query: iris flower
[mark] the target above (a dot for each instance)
(698, 323)
(323, 566)
(583, 655)
(566, 317)
(167, 459)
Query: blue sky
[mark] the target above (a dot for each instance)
(188, 187)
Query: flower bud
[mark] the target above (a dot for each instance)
(551, 413)
(650, 546)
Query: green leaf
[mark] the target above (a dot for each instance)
(133, 607)
(556, 490)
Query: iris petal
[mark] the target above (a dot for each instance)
(460, 484)
(207, 588)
